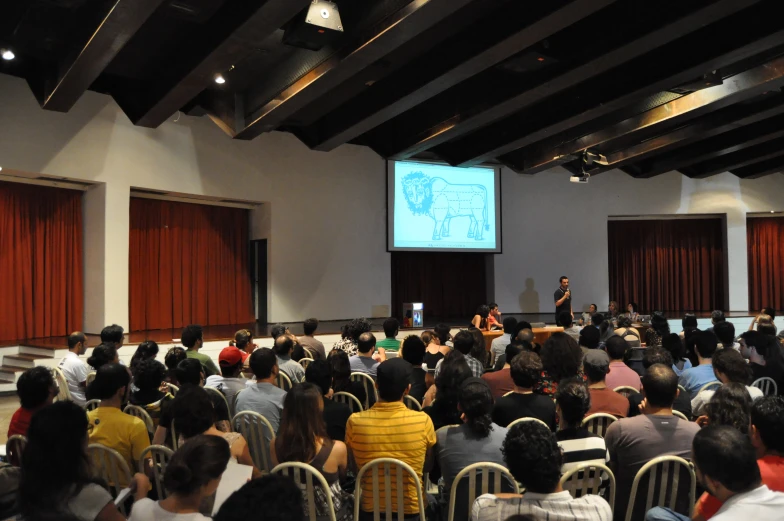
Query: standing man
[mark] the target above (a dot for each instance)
(563, 300)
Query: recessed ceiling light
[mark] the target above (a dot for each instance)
(220, 80)
(8, 54)
(773, 211)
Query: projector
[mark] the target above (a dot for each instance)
(580, 178)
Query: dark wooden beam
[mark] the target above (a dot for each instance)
(762, 169)
(78, 71)
(736, 160)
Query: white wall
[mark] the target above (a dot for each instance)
(324, 218)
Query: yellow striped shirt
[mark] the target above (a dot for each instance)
(390, 430)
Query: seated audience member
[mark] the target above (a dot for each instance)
(278, 330)
(74, 370)
(309, 342)
(717, 317)
(631, 311)
(658, 330)
(659, 355)
(730, 405)
(103, 354)
(728, 366)
(263, 397)
(523, 402)
(284, 345)
(633, 442)
(764, 355)
(363, 361)
(625, 330)
(230, 381)
(271, 498)
(561, 358)
(620, 374)
(36, 389)
(500, 381)
(335, 414)
(674, 345)
(494, 318)
(192, 337)
(108, 424)
(572, 403)
(444, 334)
(414, 354)
(481, 319)
(434, 351)
(389, 427)
(341, 376)
(57, 482)
(767, 328)
(766, 316)
(693, 379)
(604, 326)
(725, 332)
(302, 437)
(589, 339)
(585, 318)
(689, 323)
(476, 440)
(148, 394)
(565, 319)
(498, 345)
(243, 344)
(173, 357)
(523, 340)
(464, 343)
(444, 411)
(596, 365)
(147, 350)
(353, 329)
(113, 335)
(191, 476)
(726, 465)
(390, 341)
(534, 458)
(479, 349)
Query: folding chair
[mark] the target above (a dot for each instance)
(381, 474)
(475, 480)
(710, 386)
(283, 381)
(108, 465)
(214, 391)
(626, 390)
(370, 388)
(663, 475)
(258, 432)
(520, 420)
(599, 423)
(507, 394)
(350, 399)
(62, 385)
(91, 405)
(767, 385)
(173, 389)
(90, 378)
(680, 415)
(139, 412)
(296, 471)
(160, 457)
(412, 403)
(14, 448)
(589, 478)
(305, 362)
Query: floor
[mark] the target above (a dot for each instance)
(8, 405)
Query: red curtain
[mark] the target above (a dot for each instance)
(41, 289)
(667, 265)
(765, 243)
(188, 265)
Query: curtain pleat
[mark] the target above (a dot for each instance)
(765, 245)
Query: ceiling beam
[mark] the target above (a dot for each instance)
(765, 168)
(414, 19)
(74, 74)
(736, 160)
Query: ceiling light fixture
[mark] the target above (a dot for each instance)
(773, 211)
(7, 54)
(219, 79)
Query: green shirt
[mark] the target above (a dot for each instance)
(206, 362)
(389, 343)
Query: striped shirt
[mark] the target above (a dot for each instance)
(559, 506)
(390, 430)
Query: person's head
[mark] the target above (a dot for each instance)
(493, 308)
(173, 357)
(573, 401)
(319, 373)
(660, 325)
(264, 363)
(565, 319)
(564, 281)
(590, 337)
(302, 423)
(103, 354)
(597, 320)
(428, 337)
(149, 375)
(532, 455)
(278, 330)
(525, 337)
(475, 401)
(705, 343)
(717, 316)
(596, 365)
(393, 379)
(509, 325)
(689, 321)
(624, 321)
(767, 329)
(660, 386)
(771, 312)
(341, 367)
(242, 338)
(196, 467)
(111, 383)
(193, 412)
(190, 372)
(729, 366)
(442, 331)
(592, 309)
(561, 356)
(113, 335)
(674, 345)
(767, 416)
(612, 307)
(309, 326)
(358, 326)
(284, 345)
(616, 347)
(391, 327)
(632, 307)
(454, 370)
(274, 497)
(725, 461)
(483, 311)
(414, 350)
(725, 332)
(526, 369)
(77, 342)
(464, 341)
(147, 350)
(511, 351)
(656, 355)
(192, 336)
(478, 350)
(730, 405)
(366, 343)
(36, 387)
(230, 362)
(757, 345)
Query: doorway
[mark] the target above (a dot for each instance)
(258, 279)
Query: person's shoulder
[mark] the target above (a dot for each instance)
(597, 502)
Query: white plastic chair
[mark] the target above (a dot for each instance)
(14, 448)
(91, 405)
(412, 403)
(90, 378)
(160, 457)
(587, 478)
(767, 385)
(305, 362)
(350, 399)
(599, 422)
(680, 415)
(108, 465)
(173, 389)
(381, 475)
(295, 471)
(626, 390)
(663, 473)
(253, 427)
(283, 381)
(139, 412)
(370, 387)
(526, 419)
(507, 394)
(710, 386)
(214, 391)
(62, 384)
(486, 484)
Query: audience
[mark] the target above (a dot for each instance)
(389, 427)
(148, 394)
(173, 357)
(271, 498)
(444, 409)
(335, 414)
(103, 354)
(625, 330)
(589, 339)
(74, 370)
(192, 337)
(363, 361)
(414, 353)
(263, 397)
(230, 381)
(565, 319)
(573, 401)
(283, 347)
(113, 335)
(532, 455)
(620, 374)
(464, 343)
(523, 340)
(479, 349)
(596, 365)
(728, 366)
(764, 355)
(309, 342)
(147, 350)
(693, 379)
(341, 376)
(434, 351)
(658, 355)
(725, 332)
(674, 345)
(523, 402)
(390, 342)
(354, 328)
(498, 345)
(191, 476)
(500, 381)
(730, 405)
(36, 389)
(243, 344)
(561, 358)
(658, 330)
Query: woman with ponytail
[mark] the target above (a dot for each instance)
(192, 475)
(147, 350)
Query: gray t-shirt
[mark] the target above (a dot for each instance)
(457, 448)
(293, 369)
(88, 503)
(363, 364)
(265, 399)
(308, 342)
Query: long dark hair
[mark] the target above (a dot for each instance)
(730, 405)
(674, 345)
(341, 370)
(476, 402)
(301, 425)
(109, 379)
(102, 354)
(55, 467)
(561, 356)
(479, 351)
(147, 350)
(196, 463)
(454, 370)
(660, 325)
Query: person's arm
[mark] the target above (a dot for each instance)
(241, 451)
(341, 453)
(563, 298)
(753, 323)
(430, 440)
(273, 455)
(476, 321)
(352, 464)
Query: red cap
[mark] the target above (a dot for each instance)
(230, 356)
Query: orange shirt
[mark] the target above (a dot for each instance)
(772, 472)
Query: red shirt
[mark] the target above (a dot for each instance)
(500, 382)
(610, 402)
(20, 422)
(772, 472)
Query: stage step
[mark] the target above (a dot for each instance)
(25, 360)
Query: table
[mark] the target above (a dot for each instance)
(541, 334)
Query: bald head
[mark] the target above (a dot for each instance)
(525, 335)
(77, 342)
(366, 342)
(660, 385)
(284, 344)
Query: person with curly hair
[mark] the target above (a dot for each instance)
(147, 350)
(523, 402)
(173, 357)
(103, 354)
(561, 358)
(658, 330)
(729, 367)
(532, 455)
(353, 330)
(148, 395)
(454, 370)
(729, 405)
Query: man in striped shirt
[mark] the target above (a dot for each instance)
(390, 430)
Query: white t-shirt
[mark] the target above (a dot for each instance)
(228, 386)
(149, 510)
(75, 372)
(701, 400)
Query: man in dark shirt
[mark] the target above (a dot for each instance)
(563, 299)
(659, 355)
(336, 414)
(414, 354)
(523, 403)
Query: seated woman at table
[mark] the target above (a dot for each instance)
(480, 320)
(612, 309)
(631, 311)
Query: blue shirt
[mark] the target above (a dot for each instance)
(363, 364)
(693, 379)
(686, 365)
(265, 399)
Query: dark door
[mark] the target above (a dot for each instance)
(258, 278)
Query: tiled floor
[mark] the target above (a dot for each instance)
(8, 405)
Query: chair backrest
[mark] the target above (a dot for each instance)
(305, 362)
(139, 412)
(175, 441)
(90, 378)
(257, 431)
(173, 389)
(233, 403)
(710, 386)
(510, 392)
(682, 388)
(664, 485)
(91, 405)
(589, 478)
(381, 472)
(626, 390)
(63, 393)
(297, 471)
(350, 399)
(310, 354)
(370, 388)
(598, 423)
(160, 457)
(108, 465)
(767, 385)
(14, 448)
(283, 381)
(412, 403)
(527, 419)
(216, 392)
(475, 480)
(680, 415)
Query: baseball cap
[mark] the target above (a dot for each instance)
(597, 358)
(230, 356)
